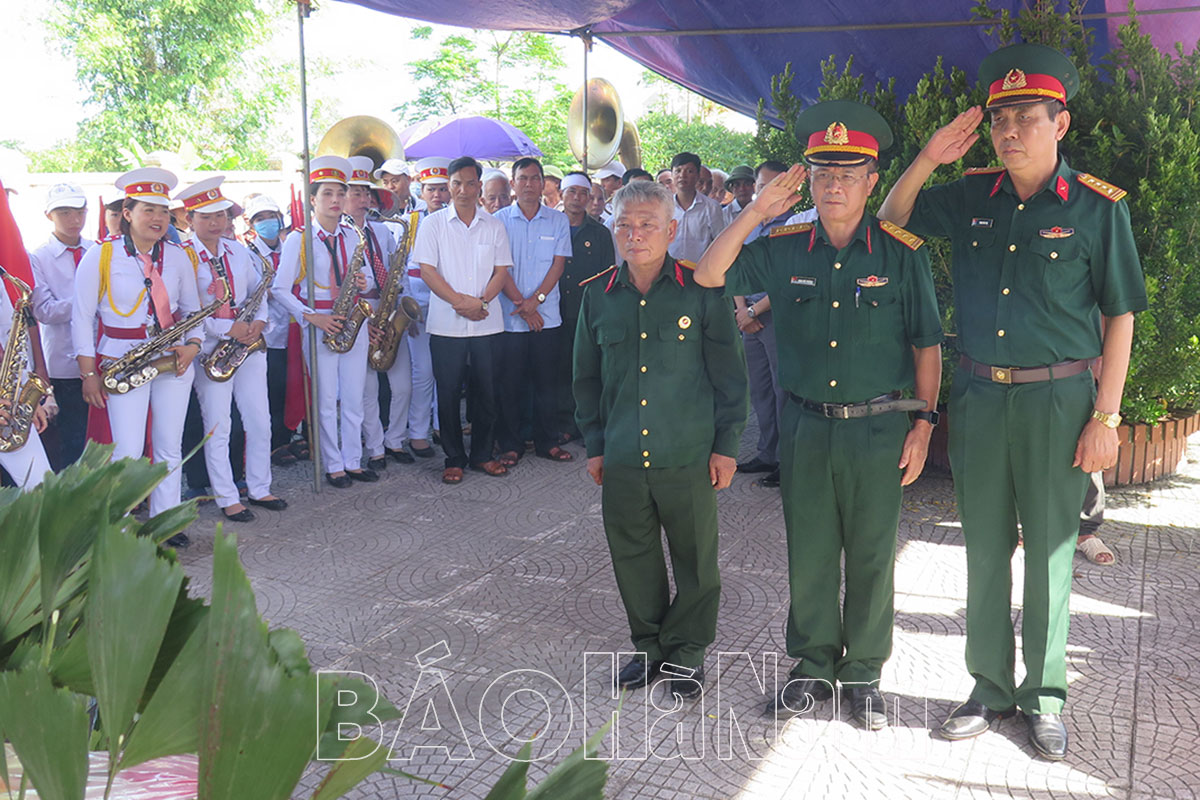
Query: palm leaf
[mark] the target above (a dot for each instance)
(48, 729)
(363, 757)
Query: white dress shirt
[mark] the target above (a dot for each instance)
(276, 332)
(535, 244)
(53, 299)
(243, 281)
(699, 224)
(465, 256)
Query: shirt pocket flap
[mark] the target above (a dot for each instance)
(610, 334)
(679, 331)
(1065, 249)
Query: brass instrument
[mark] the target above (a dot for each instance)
(609, 134)
(391, 319)
(229, 354)
(348, 304)
(362, 136)
(141, 365)
(23, 400)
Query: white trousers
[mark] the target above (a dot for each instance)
(399, 377)
(166, 400)
(248, 388)
(340, 378)
(28, 465)
(420, 407)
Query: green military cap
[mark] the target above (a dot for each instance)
(842, 133)
(1027, 73)
(552, 171)
(740, 173)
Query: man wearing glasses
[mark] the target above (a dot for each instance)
(857, 323)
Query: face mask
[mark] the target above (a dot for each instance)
(267, 228)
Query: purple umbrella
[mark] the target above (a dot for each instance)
(481, 137)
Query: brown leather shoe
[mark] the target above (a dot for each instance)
(493, 468)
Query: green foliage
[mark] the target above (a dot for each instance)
(664, 134)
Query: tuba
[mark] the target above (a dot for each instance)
(23, 399)
(362, 136)
(395, 313)
(609, 134)
(229, 354)
(348, 304)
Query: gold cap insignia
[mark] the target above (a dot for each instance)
(1015, 79)
(836, 133)
(685, 322)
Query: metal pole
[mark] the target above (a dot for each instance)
(303, 9)
(587, 46)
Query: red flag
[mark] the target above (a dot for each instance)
(12, 251)
(103, 230)
(297, 210)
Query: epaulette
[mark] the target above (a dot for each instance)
(786, 230)
(983, 170)
(909, 240)
(1100, 187)
(689, 264)
(597, 275)
(112, 237)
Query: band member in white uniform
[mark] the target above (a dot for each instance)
(380, 249)
(26, 465)
(340, 376)
(207, 213)
(434, 177)
(139, 284)
(54, 265)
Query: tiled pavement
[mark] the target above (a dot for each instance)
(500, 575)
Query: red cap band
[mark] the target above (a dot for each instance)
(1017, 84)
(326, 172)
(153, 189)
(204, 199)
(837, 138)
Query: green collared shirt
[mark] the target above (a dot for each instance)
(845, 320)
(660, 378)
(592, 251)
(1031, 278)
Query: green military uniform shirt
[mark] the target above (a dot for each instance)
(845, 320)
(660, 378)
(1032, 277)
(592, 251)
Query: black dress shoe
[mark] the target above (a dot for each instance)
(866, 707)
(770, 481)
(245, 515)
(637, 673)
(401, 456)
(367, 475)
(1048, 735)
(798, 695)
(423, 452)
(179, 541)
(378, 463)
(274, 504)
(971, 719)
(340, 482)
(756, 465)
(683, 686)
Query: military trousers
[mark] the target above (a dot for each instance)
(1011, 448)
(841, 493)
(639, 506)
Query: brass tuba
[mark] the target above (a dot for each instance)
(23, 399)
(609, 133)
(362, 136)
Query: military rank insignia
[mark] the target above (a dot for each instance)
(1056, 233)
(872, 282)
(685, 322)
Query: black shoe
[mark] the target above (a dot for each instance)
(245, 515)
(178, 541)
(340, 482)
(756, 464)
(401, 456)
(378, 463)
(798, 695)
(683, 685)
(637, 673)
(367, 475)
(770, 481)
(866, 707)
(274, 504)
(1048, 735)
(971, 719)
(423, 452)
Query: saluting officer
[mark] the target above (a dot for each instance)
(1042, 254)
(857, 324)
(660, 390)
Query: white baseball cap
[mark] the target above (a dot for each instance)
(393, 166)
(259, 203)
(613, 169)
(65, 195)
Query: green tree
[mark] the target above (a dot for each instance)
(664, 134)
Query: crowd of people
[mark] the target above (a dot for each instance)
(642, 313)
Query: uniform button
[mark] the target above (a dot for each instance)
(1020, 206)
(643, 367)
(681, 337)
(1006, 290)
(837, 265)
(646, 464)
(643, 401)
(833, 343)
(643, 334)
(1054, 254)
(641, 302)
(836, 304)
(645, 432)
(1012, 248)
(975, 244)
(645, 453)
(998, 333)
(833, 383)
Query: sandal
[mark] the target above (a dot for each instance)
(283, 456)
(1094, 550)
(452, 475)
(493, 468)
(299, 449)
(556, 454)
(509, 458)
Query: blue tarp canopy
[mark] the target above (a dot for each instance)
(728, 51)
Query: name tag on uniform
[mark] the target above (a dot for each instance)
(800, 281)
(981, 222)
(1056, 232)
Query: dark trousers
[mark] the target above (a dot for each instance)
(1092, 515)
(65, 438)
(277, 396)
(527, 360)
(469, 360)
(563, 373)
(194, 468)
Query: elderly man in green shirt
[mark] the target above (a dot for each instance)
(661, 400)
(856, 324)
(1046, 278)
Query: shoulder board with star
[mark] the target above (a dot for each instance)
(787, 230)
(909, 240)
(1100, 187)
(597, 275)
(689, 264)
(983, 170)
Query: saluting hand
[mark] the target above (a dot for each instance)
(780, 194)
(951, 142)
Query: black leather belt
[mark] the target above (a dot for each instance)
(883, 404)
(1063, 369)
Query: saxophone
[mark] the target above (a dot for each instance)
(348, 304)
(140, 366)
(391, 319)
(22, 400)
(229, 354)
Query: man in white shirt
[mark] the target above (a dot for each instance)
(610, 178)
(464, 256)
(699, 218)
(54, 266)
(396, 178)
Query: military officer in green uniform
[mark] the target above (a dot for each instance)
(661, 400)
(1042, 255)
(856, 324)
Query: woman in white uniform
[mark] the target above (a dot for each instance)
(26, 465)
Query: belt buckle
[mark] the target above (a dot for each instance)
(1001, 375)
(836, 411)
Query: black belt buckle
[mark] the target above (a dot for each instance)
(835, 411)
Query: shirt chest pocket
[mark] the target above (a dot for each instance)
(543, 249)
(1060, 265)
(882, 312)
(678, 345)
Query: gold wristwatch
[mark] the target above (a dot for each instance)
(1107, 420)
